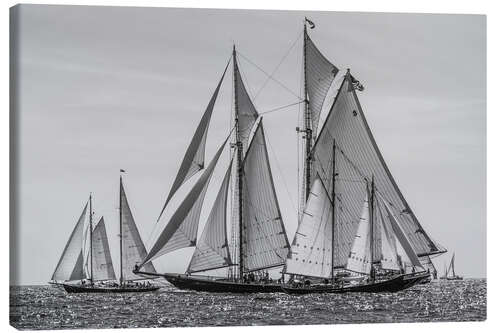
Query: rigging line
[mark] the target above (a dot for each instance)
(279, 170)
(279, 64)
(272, 78)
(281, 107)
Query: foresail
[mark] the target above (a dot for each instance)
(70, 265)
(247, 114)
(194, 158)
(360, 257)
(265, 243)
(133, 249)
(388, 254)
(102, 265)
(319, 76)
(182, 229)
(359, 159)
(212, 249)
(311, 251)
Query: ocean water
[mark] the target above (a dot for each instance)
(50, 307)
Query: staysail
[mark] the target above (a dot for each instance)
(388, 254)
(212, 249)
(181, 231)
(101, 255)
(310, 254)
(360, 258)
(264, 240)
(359, 158)
(194, 157)
(133, 249)
(70, 265)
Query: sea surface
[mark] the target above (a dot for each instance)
(50, 307)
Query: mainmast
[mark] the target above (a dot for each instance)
(239, 155)
(333, 210)
(307, 125)
(121, 234)
(90, 229)
(372, 222)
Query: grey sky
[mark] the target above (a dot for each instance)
(104, 88)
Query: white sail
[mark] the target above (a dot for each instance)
(212, 249)
(360, 257)
(181, 231)
(102, 265)
(389, 255)
(194, 157)
(247, 114)
(265, 243)
(310, 254)
(403, 241)
(70, 265)
(133, 249)
(359, 158)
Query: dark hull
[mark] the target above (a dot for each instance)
(455, 278)
(185, 282)
(87, 289)
(398, 283)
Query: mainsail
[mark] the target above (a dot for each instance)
(212, 249)
(310, 254)
(133, 249)
(194, 157)
(181, 231)
(359, 158)
(70, 265)
(101, 256)
(264, 240)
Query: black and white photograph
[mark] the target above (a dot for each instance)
(195, 167)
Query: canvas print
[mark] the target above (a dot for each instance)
(201, 167)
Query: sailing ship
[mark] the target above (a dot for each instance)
(449, 273)
(96, 274)
(353, 219)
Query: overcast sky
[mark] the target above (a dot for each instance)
(104, 88)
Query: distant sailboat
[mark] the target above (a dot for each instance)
(95, 273)
(449, 273)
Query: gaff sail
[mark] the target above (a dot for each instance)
(310, 254)
(133, 249)
(264, 239)
(212, 249)
(194, 157)
(70, 265)
(182, 228)
(102, 264)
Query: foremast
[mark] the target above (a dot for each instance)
(307, 125)
(91, 246)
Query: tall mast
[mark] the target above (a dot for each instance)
(333, 209)
(239, 147)
(372, 221)
(90, 229)
(121, 236)
(307, 124)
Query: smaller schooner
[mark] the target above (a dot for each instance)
(95, 273)
(449, 273)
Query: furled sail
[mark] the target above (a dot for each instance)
(265, 243)
(310, 254)
(360, 258)
(194, 157)
(133, 249)
(319, 75)
(182, 229)
(247, 114)
(359, 158)
(102, 265)
(70, 265)
(212, 249)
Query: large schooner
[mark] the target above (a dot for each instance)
(96, 274)
(356, 233)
